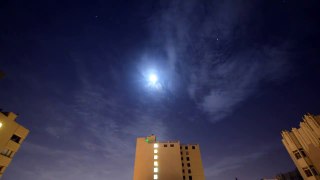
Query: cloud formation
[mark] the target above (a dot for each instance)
(209, 48)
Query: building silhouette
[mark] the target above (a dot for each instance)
(303, 146)
(167, 160)
(12, 135)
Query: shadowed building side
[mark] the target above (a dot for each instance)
(12, 135)
(303, 146)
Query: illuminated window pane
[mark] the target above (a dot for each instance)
(155, 145)
(155, 163)
(155, 157)
(155, 151)
(155, 176)
(0, 124)
(155, 170)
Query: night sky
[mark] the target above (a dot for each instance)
(231, 75)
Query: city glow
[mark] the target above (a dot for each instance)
(155, 176)
(155, 157)
(155, 145)
(155, 151)
(155, 163)
(155, 170)
(0, 124)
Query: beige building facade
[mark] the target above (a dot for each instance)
(12, 135)
(167, 160)
(303, 146)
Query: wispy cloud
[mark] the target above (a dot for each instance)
(208, 48)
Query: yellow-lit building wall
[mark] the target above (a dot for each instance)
(11, 136)
(165, 160)
(303, 146)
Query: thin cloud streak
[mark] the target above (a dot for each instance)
(206, 48)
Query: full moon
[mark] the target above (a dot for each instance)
(153, 78)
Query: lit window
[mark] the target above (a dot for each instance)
(155, 170)
(155, 163)
(155, 176)
(155, 145)
(155, 151)
(0, 124)
(155, 157)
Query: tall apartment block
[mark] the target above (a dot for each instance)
(167, 160)
(303, 146)
(12, 135)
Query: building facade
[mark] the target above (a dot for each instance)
(168, 160)
(303, 146)
(12, 135)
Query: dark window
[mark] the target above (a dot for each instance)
(186, 147)
(188, 159)
(181, 152)
(184, 177)
(314, 171)
(182, 170)
(165, 145)
(180, 147)
(193, 147)
(297, 154)
(308, 172)
(15, 138)
(303, 153)
(187, 153)
(181, 158)
(171, 145)
(190, 177)
(182, 164)
(1, 167)
(189, 171)
(188, 164)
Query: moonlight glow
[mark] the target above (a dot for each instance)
(153, 79)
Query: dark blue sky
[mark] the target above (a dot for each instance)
(232, 75)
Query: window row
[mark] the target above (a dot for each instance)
(186, 147)
(184, 177)
(166, 145)
(187, 153)
(188, 164)
(311, 171)
(188, 158)
(189, 171)
(299, 153)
